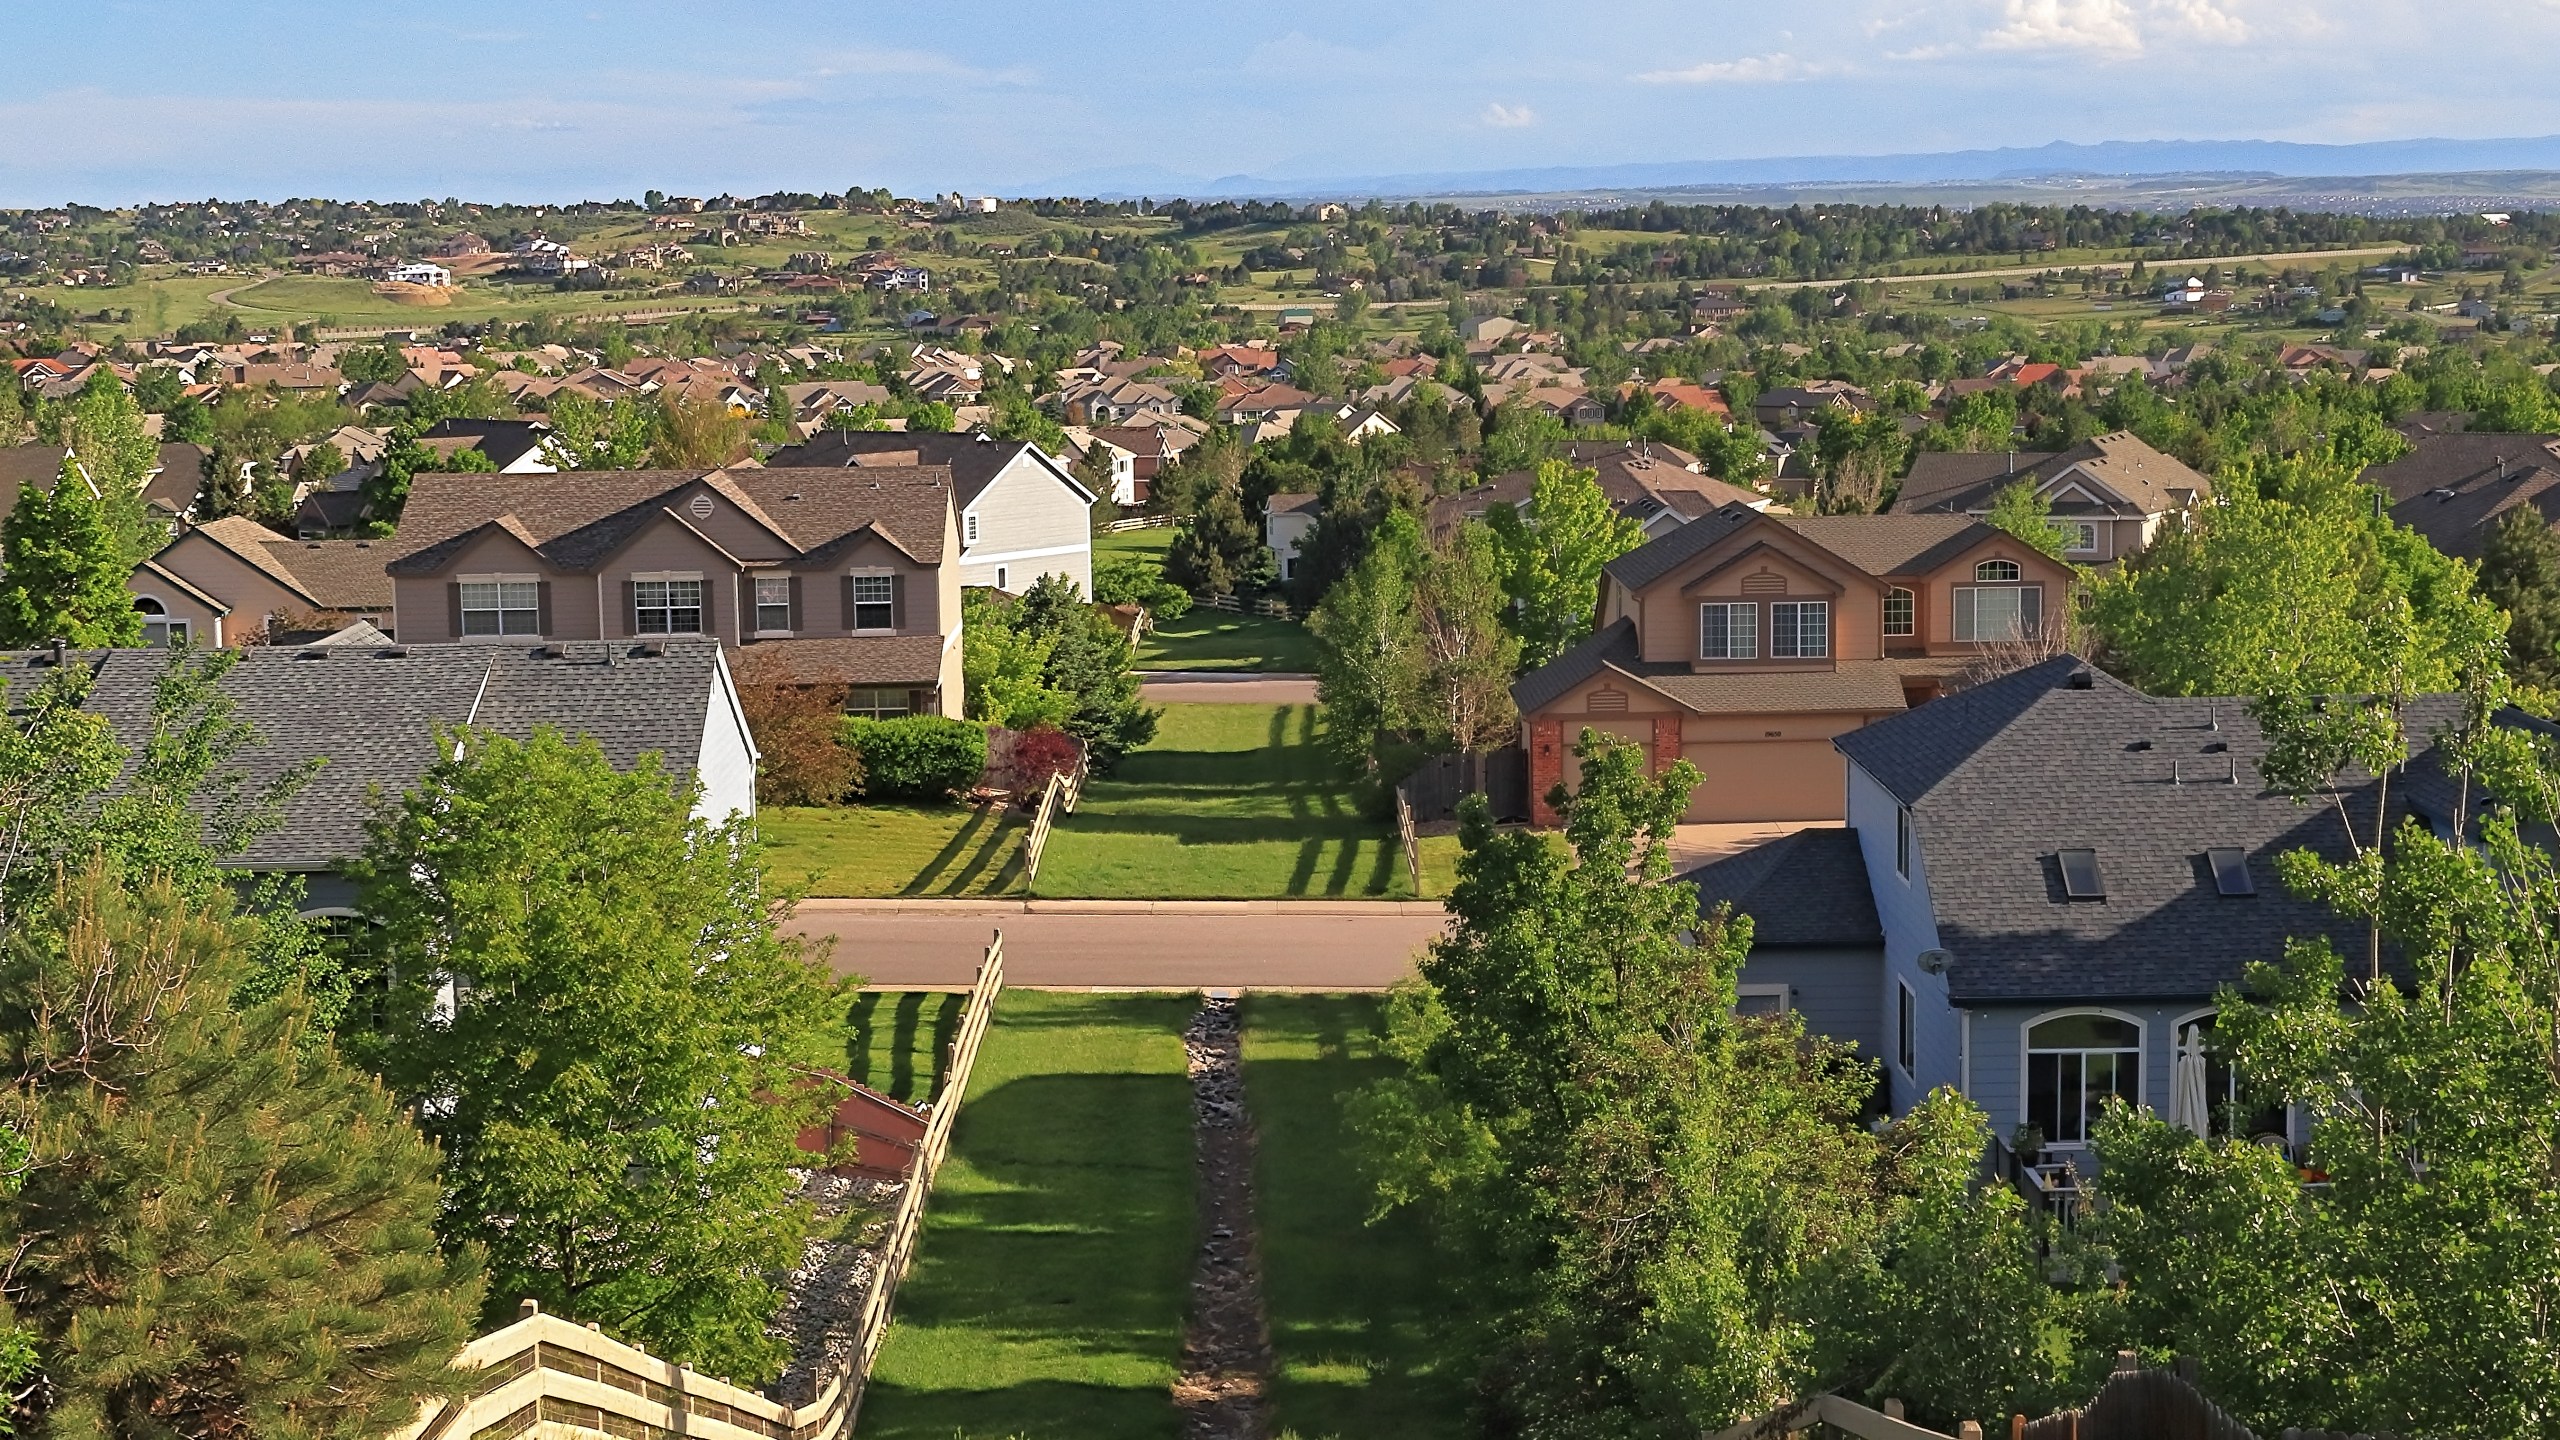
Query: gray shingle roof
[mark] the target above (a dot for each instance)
(371, 713)
(974, 458)
(2002, 777)
(1801, 890)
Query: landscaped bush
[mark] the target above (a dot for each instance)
(799, 731)
(1131, 580)
(1039, 754)
(917, 757)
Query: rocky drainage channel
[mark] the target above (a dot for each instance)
(1226, 1350)
(823, 1299)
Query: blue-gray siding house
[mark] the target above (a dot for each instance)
(2060, 873)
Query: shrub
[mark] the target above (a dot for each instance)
(1131, 580)
(799, 731)
(1039, 754)
(917, 757)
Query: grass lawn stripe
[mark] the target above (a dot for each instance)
(1049, 1290)
(895, 850)
(1356, 1309)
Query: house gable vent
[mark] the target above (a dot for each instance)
(702, 507)
(1765, 582)
(1606, 701)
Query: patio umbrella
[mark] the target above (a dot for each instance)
(2189, 1105)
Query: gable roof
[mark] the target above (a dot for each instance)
(575, 519)
(371, 711)
(1877, 545)
(1802, 890)
(2144, 481)
(974, 458)
(2002, 777)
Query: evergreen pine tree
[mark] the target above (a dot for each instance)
(63, 568)
(2520, 574)
(224, 1230)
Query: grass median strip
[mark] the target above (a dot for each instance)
(1229, 802)
(876, 851)
(1048, 1294)
(1358, 1311)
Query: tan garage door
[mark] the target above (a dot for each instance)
(1640, 731)
(1767, 780)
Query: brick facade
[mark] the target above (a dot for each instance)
(1666, 743)
(1546, 769)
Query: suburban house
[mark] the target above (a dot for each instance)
(233, 582)
(1745, 642)
(513, 447)
(370, 713)
(1287, 520)
(2109, 494)
(1022, 514)
(2454, 486)
(1138, 453)
(1658, 486)
(828, 577)
(2041, 884)
(169, 491)
(1791, 405)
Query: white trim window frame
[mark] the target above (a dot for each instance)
(879, 702)
(1906, 1030)
(969, 527)
(510, 606)
(160, 629)
(2079, 537)
(1762, 1001)
(875, 597)
(1800, 630)
(772, 597)
(1902, 841)
(1987, 614)
(1901, 612)
(663, 601)
(2063, 1083)
(1728, 630)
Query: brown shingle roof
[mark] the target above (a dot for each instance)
(2148, 482)
(884, 660)
(1885, 545)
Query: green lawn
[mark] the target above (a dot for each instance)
(896, 1042)
(889, 850)
(1049, 1290)
(1148, 544)
(1207, 639)
(1355, 1308)
(1228, 802)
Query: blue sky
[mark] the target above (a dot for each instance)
(559, 99)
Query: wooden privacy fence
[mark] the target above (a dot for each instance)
(545, 1371)
(1059, 798)
(1271, 605)
(1127, 523)
(1437, 785)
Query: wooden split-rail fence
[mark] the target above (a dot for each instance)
(1058, 798)
(544, 1371)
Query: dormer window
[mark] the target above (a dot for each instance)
(1996, 572)
(1800, 629)
(1728, 632)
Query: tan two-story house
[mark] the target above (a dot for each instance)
(2108, 494)
(845, 578)
(1744, 642)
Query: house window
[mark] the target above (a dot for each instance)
(1991, 613)
(879, 704)
(2081, 878)
(969, 529)
(874, 603)
(1906, 1025)
(667, 607)
(1902, 841)
(1901, 613)
(158, 630)
(2229, 1111)
(1800, 629)
(2074, 1062)
(773, 605)
(501, 607)
(1759, 1001)
(1000, 577)
(1728, 632)
(1995, 572)
(2079, 537)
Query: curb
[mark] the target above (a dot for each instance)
(1345, 908)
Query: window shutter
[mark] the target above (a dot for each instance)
(542, 608)
(793, 623)
(453, 607)
(630, 607)
(897, 602)
(2030, 611)
(1964, 614)
(848, 604)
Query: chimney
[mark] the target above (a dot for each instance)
(60, 649)
(2011, 466)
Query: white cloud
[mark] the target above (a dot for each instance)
(1508, 117)
(883, 61)
(1750, 70)
(2108, 27)
(2200, 20)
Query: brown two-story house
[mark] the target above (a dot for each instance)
(1745, 641)
(836, 577)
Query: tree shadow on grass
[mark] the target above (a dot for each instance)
(951, 850)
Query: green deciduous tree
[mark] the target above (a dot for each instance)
(63, 567)
(1552, 554)
(1369, 646)
(223, 1229)
(2020, 509)
(595, 1013)
(1004, 670)
(2520, 574)
(1468, 657)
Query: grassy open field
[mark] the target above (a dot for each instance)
(1049, 1291)
(1207, 639)
(1355, 1308)
(1228, 802)
(888, 850)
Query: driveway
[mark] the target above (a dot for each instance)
(1695, 845)
(1106, 944)
(1191, 687)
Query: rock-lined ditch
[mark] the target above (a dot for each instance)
(823, 1299)
(1226, 1348)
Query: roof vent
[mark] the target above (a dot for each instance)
(651, 648)
(2080, 877)
(2081, 679)
(316, 652)
(2139, 745)
(553, 652)
(392, 652)
(2231, 871)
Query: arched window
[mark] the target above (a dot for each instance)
(2074, 1062)
(157, 628)
(1996, 572)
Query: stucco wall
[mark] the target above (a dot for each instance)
(251, 593)
(1761, 563)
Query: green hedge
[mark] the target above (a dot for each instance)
(917, 757)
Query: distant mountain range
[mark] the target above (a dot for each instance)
(2110, 159)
